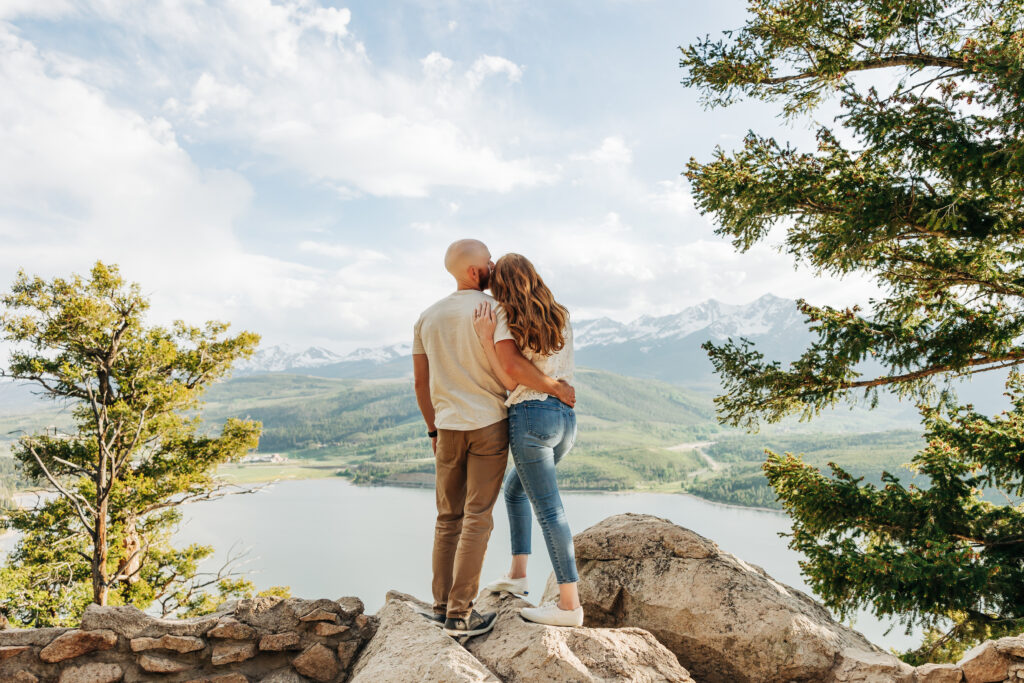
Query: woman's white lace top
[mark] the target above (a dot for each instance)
(559, 365)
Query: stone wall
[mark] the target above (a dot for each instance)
(273, 640)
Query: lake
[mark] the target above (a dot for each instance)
(329, 538)
(326, 538)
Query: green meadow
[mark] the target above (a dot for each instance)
(370, 431)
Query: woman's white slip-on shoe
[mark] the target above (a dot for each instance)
(552, 615)
(509, 585)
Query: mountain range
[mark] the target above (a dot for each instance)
(658, 347)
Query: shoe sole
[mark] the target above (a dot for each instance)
(506, 590)
(457, 633)
(544, 623)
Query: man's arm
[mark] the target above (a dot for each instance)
(421, 380)
(526, 373)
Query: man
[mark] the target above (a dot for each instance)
(463, 404)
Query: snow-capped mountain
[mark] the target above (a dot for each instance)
(281, 358)
(767, 315)
(381, 354)
(664, 347)
(668, 347)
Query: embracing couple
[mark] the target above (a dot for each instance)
(492, 374)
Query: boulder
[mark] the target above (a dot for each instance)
(320, 614)
(221, 678)
(1011, 645)
(31, 636)
(232, 651)
(350, 605)
(131, 622)
(92, 673)
(76, 643)
(272, 614)
(727, 621)
(520, 651)
(8, 651)
(162, 665)
(406, 647)
(985, 664)
(180, 644)
(938, 673)
(230, 628)
(277, 642)
(317, 662)
(325, 629)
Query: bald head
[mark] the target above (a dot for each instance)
(469, 262)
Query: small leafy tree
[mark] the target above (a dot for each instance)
(137, 452)
(922, 187)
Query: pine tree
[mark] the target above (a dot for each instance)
(920, 186)
(136, 454)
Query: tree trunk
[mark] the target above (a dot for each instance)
(100, 582)
(99, 556)
(132, 547)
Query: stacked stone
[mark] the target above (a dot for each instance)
(994, 661)
(266, 639)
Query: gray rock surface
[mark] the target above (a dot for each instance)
(407, 647)
(726, 620)
(519, 651)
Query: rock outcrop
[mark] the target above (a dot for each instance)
(727, 621)
(409, 648)
(519, 651)
(263, 639)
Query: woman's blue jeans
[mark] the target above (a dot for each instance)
(540, 434)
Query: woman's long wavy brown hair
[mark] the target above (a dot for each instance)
(535, 319)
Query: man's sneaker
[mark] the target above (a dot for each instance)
(508, 585)
(473, 626)
(550, 614)
(428, 614)
(435, 619)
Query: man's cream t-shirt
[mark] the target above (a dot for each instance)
(465, 392)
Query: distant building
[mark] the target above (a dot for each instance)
(264, 457)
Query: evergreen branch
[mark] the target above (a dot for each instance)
(919, 60)
(1015, 358)
(75, 499)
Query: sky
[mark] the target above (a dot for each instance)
(299, 168)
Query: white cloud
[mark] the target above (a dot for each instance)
(10, 9)
(209, 93)
(269, 82)
(94, 168)
(436, 65)
(84, 180)
(613, 151)
(491, 65)
(344, 252)
(672, 197)
(330, 20)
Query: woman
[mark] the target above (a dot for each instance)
(542, 429)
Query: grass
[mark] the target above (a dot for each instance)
(371, 432)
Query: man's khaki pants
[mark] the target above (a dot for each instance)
(470, 467)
